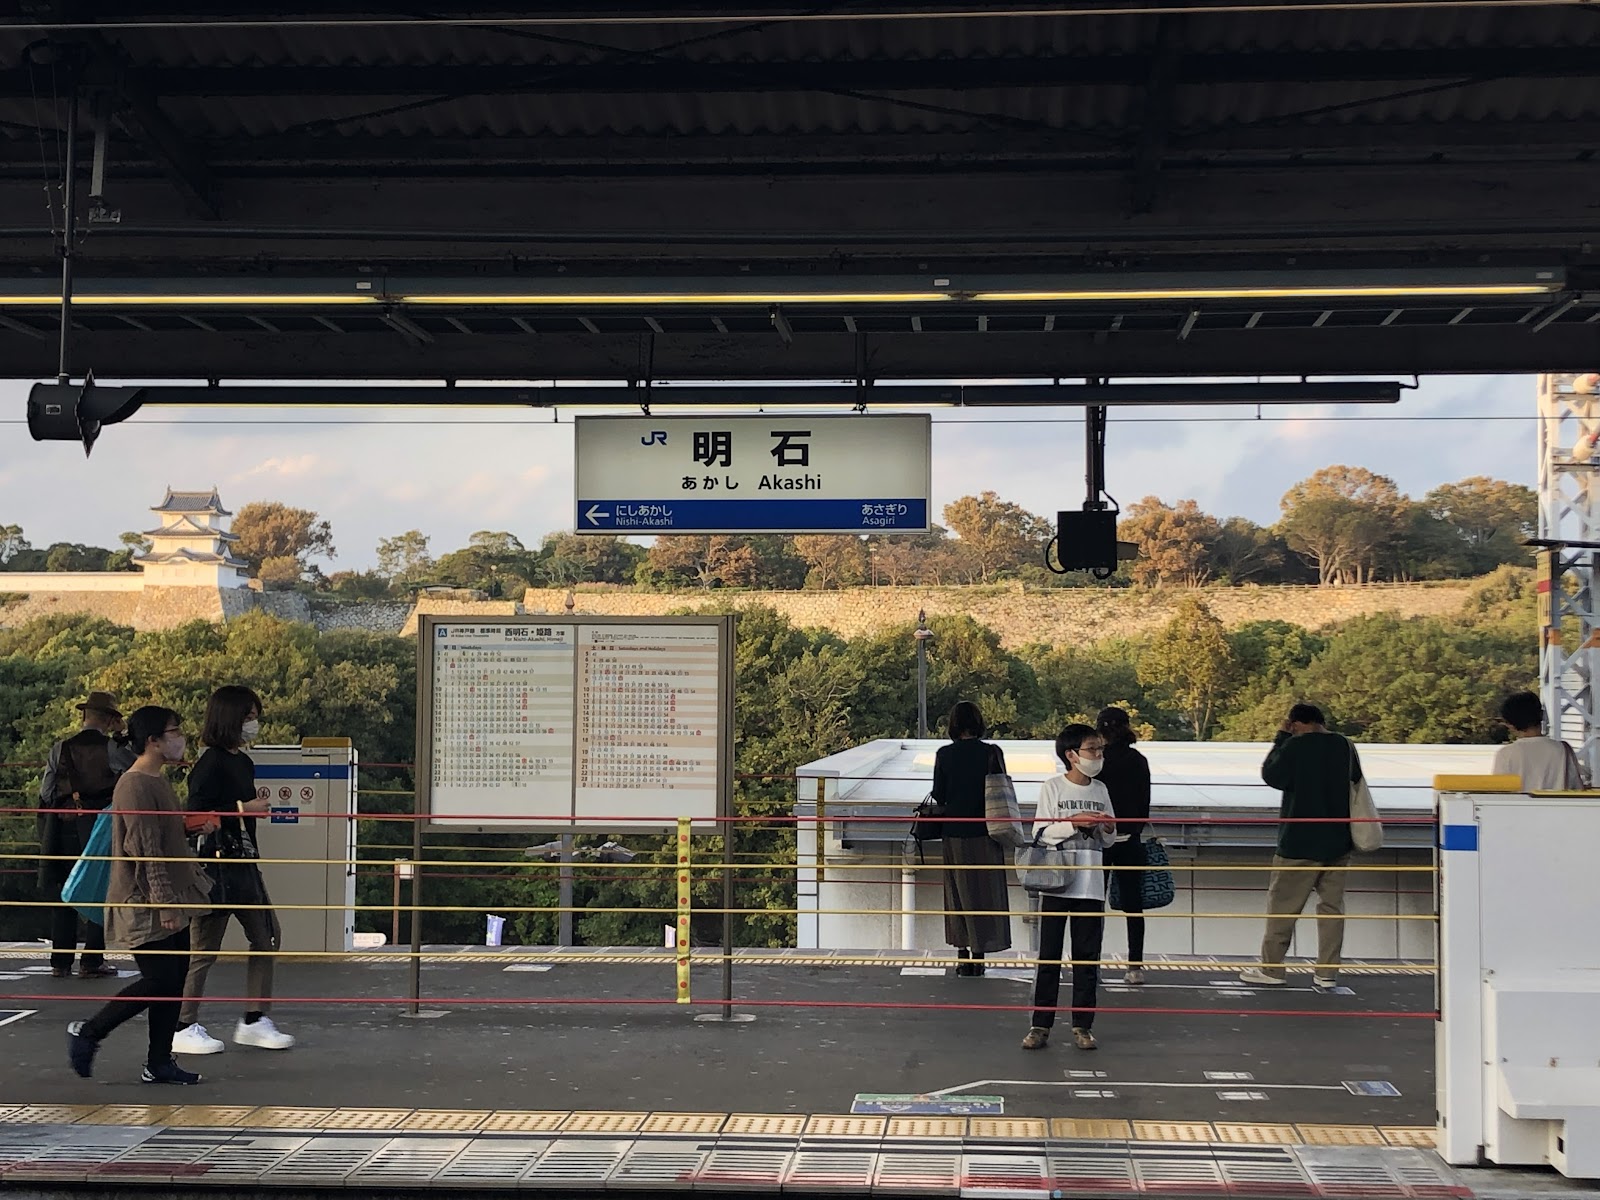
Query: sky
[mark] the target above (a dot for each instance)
(452, 472)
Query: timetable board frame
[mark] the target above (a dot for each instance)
(603, 696)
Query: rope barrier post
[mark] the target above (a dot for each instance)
(727, 921)
(725, 816)
(414, 967)
(822, 834)
(564, 893)
(400, 872)
(685, 899)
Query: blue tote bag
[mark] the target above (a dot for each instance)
(85, 888)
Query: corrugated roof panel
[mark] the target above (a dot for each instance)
(1114, 106)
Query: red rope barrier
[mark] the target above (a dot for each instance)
(907, 1005)
(777, 818)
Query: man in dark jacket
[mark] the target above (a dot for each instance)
(1314, 769)
(81, 773)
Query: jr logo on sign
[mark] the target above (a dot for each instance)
(657, 437)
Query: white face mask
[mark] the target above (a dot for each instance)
(250, 731)
(175, 747)
(1090, 766)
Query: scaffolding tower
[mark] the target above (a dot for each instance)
(1569, 533)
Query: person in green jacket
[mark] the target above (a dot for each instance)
(1314, 769)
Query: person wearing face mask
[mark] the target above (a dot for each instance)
(1127, 779)
(1075, 812)
(154, 887)
(224, 781)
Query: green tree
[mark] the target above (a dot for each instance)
(359, 585)
(269, 529)
(903, 558)
(999, 535)
(1244, 552)
(1077, 681)
(1489, 517)
(568, 558)
(404, 558)
(1342, 520)
(1387, 678)
(1191, 663)
(74, 556)
(1270, 660)
(707, 561)
(12, 542)
(1174, 541)
(835, 560)
(777, 566)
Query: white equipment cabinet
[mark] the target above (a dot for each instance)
(308, 842)
(1519, 976)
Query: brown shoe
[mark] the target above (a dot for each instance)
(1083, 1039)
(1038, 1037)
(60, 972)
(103, 971)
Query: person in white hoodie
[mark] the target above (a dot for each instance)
(1544, 764)
(1075, 812)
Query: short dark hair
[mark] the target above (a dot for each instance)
(966, 720)
(1073, 736)
(1522, 710)
(151, 721)
(225, 715)
(1306, 714)
(1114, 724)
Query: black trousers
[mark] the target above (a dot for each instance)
(158, 990)
(1130, 890)
(1088, 925)
(64, 940)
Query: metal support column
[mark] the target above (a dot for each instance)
(1569, 527)
(69, 234)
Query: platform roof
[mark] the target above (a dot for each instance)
(624, 190)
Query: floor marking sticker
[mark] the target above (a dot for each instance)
(9, 1016)
(1370, 1087)
(902, 1105)
(1241, 1095)
(1230, 1076)
(922, 970)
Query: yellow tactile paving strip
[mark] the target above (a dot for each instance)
(787, 1125)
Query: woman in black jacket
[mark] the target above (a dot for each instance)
(977, 905)
(1126, 775)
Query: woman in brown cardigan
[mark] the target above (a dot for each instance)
(155, 885)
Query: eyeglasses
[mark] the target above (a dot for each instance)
(1091, 751)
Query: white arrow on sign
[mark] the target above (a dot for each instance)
(594, 514)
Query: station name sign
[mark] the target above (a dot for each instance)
(784, 473)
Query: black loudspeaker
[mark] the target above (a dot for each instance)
(1087, 541)
(71, 412)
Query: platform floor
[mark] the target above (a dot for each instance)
(1200, 1087)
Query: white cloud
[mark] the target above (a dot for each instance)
(300, 464)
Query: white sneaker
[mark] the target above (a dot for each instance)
(1133, 977)
(1259, 978)
(195, 1040)
(263, 1034)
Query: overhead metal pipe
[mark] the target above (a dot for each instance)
(885, 394)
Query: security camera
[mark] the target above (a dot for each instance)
(74, 412)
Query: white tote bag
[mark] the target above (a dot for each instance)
(1366, 831)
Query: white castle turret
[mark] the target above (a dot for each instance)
(192, 547)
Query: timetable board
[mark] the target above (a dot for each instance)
(542, 722)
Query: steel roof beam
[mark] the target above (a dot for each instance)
(882, 75)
